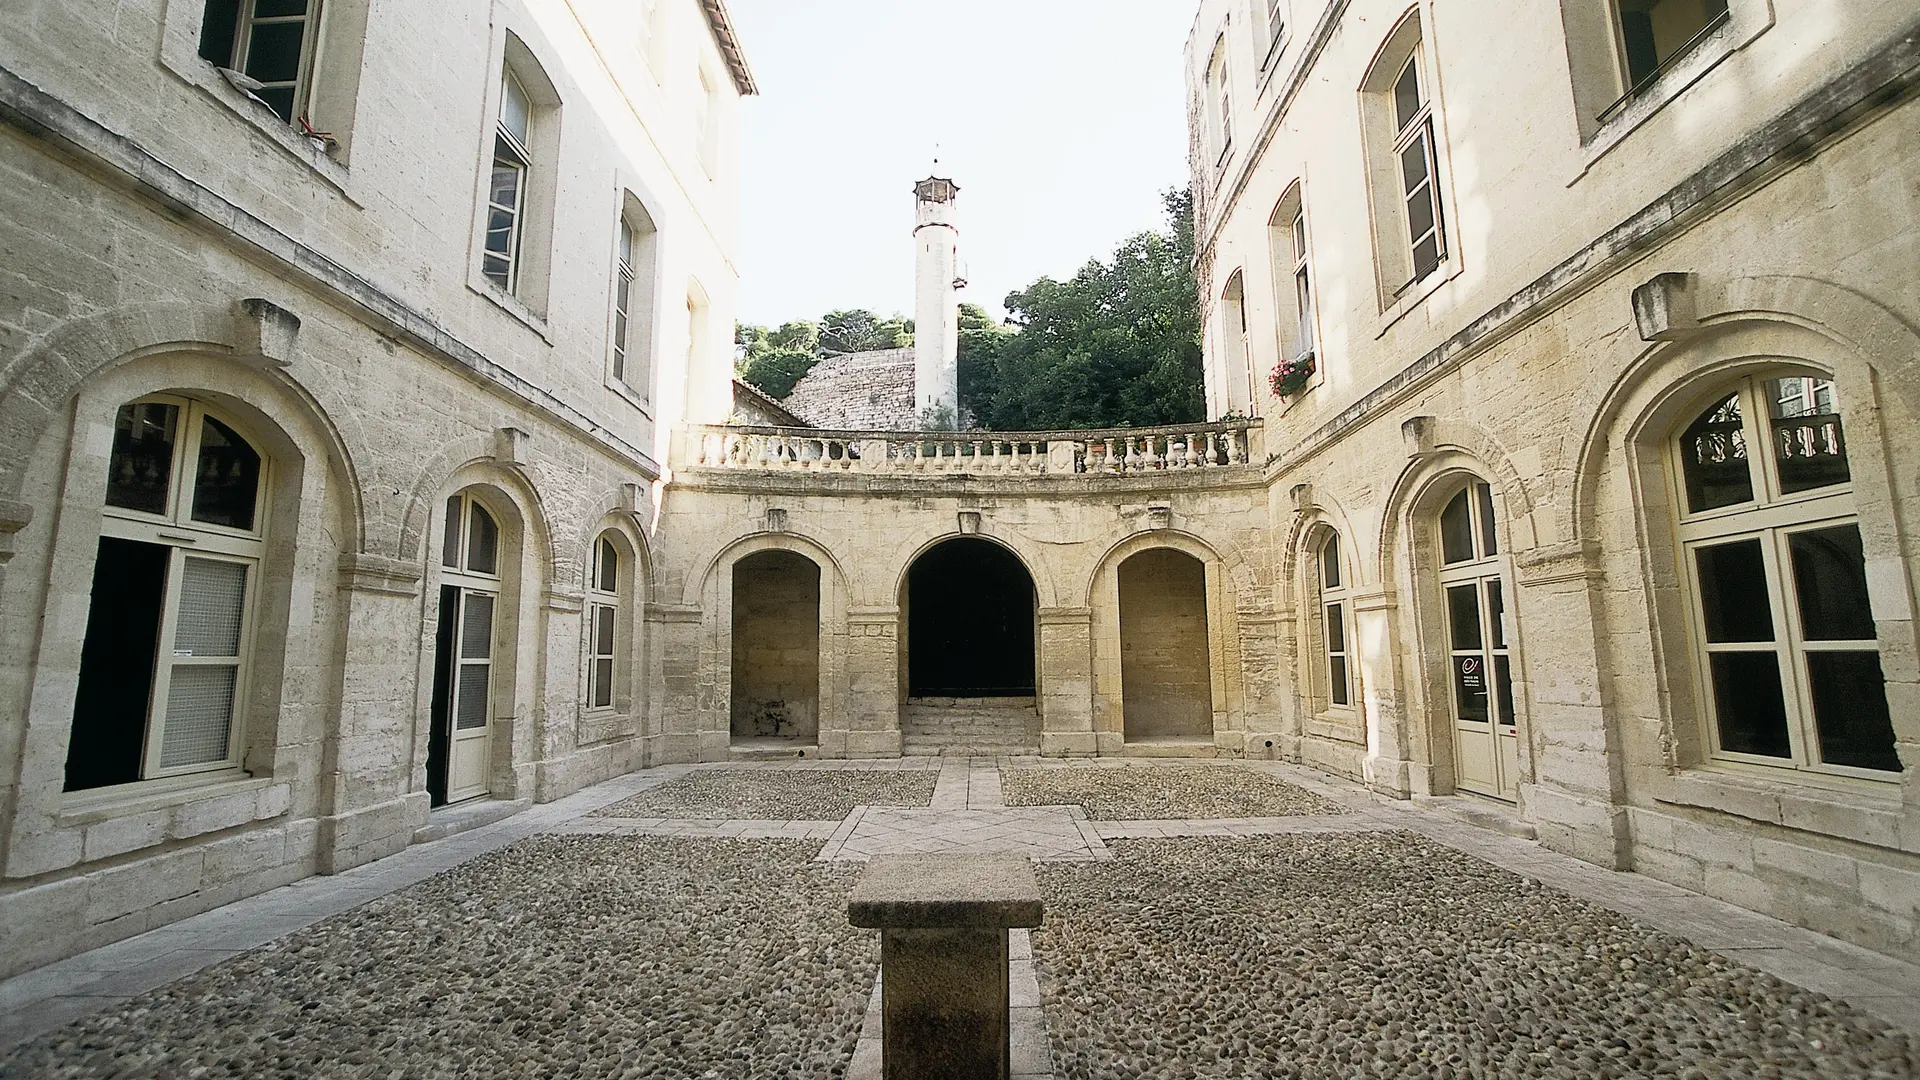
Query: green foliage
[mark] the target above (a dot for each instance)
(1116, 346)
(776, 369)
(859, 330)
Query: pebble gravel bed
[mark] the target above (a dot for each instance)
(1384, 955)
(1162, 792)
(787, 795)
(557, 956)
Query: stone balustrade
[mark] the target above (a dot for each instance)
(1115, 452)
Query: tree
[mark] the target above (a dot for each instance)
(775, 370)
(1116, 346)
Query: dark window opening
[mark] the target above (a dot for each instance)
(970, 615)
(117, 664)
(1654, 32)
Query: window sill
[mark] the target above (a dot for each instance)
(1866, 811)
(199, 73)
(1416, 294)
(511, 305)
(1744, 24)
(1338, 724)
(631, 396)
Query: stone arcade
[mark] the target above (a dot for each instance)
(363, 474)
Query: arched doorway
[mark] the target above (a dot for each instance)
(472, 561)
(776, 648)
(970, 611)
(1166, 678)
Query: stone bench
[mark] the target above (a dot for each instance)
(943, 922)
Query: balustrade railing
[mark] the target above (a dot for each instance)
(1115, 452)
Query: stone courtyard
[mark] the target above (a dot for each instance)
(1202, 920)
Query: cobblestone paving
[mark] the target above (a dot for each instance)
(1387, 955)
(578, 955)
(787, 795)
(1162, 792)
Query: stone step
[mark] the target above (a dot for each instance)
(1028, 724)
(914, 748)
(971, 703)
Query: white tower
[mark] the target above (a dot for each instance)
(936, 313)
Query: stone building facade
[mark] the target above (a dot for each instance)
(339, 345)
(1591, 483)
(368, 484)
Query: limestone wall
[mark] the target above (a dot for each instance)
(1527, 363)
(166, 235)
(869, 391)
(776, 647)
(1165, 676)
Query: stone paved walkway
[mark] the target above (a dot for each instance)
(967, 813)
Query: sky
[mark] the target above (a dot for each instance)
(1061, 120)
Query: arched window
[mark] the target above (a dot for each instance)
(604, 616)
(1788, 658)
(1480, 665)
(1335, 623)
(164, 664)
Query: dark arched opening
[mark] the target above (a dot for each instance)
(970, 616)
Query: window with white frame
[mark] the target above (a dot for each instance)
(1413, 153)
(1273, 31)
(1293, 280)
(1789, 661)
(1235, 357)
(507, 191)
(1652, 33)
(270, 42)
(163, 666)
(1335, 623)
(604, 615)
(1219, 105)
(623, 300)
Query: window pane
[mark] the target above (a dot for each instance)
(1470, 688)
(505, 190)
(1463, 616)
(1850, 710)
(1747, 701)
(1406, 96)
(1337, 678)
(1733, 592)
(483, 540)
(271, 9)
(1808, 444)
(1426, 257)
(1336, 629)
(279, 99)
(141, 466)
(626, 245)
(1330, 562)
(476, 627)
(1503, 688)
(226, 480)
(609, 567)
(217, 30)
(1713, 458)
(1496, 614)
(273, 52)
(497, 270)
(1489, 537)
(515, 109)
(602, 683)
(471, 712)
(1830, 580)
(1413, 167)
(213, 594)
(1419, 214)
(450, 542)
(1456, 531)
(1636, 34)
(603, 630)
(199, 715)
